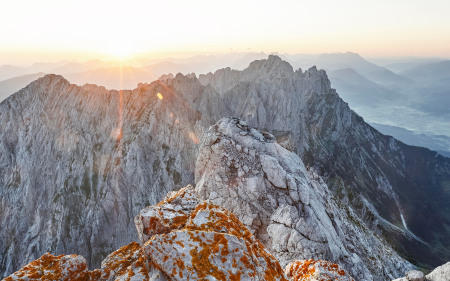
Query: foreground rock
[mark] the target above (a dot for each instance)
(127, 263)
(49, 267)
(187, 239)
(169, 214)
(287, 206)
(313, 270)
(210, 243)
(441, 273)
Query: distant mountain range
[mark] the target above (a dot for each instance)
(440, 144)
(403, 90)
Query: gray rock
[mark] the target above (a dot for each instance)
(415, 275)
(291, 229)
(170, 214)
(78, 163)
(440, 273)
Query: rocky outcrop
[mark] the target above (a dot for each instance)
(440, 273)
(209, 243)
(127, 263)
(49, 267)
(313, 270)
(169, 214)
(288, 207)
(201, 242)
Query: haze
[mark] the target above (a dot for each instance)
(52, 30)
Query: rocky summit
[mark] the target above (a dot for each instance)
(202, 242)
(288, 207)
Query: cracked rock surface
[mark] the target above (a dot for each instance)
(287, 206)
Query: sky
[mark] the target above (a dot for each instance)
(51, 30)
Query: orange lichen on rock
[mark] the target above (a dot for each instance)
(169, 214)
(216, 244)
(317, 270)
(210, 217)
(116, 263)
(49, 267)
(185, 239)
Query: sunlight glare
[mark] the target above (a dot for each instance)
(121, 50)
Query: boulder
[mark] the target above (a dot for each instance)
(213, 244)
(169, 214)
(128, 263)
(50, 267)
(415, 275)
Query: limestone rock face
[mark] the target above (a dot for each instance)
(288, 207)
(78, 163)
(49, 267)
(313, 270)
(169, 214)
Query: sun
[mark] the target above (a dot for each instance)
(121, 51)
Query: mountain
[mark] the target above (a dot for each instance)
(60, 67)
(370, 70)
(380, 96)
(429, 72)
(359, 91)
(347, 60)
(126, 77)
(76, 67)
(77, 163)
(367, 170)
(433, 84)
(67, 153)
(399, 66)
(289, 208)
(12, 85)
(440, 144)
(10, 71)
